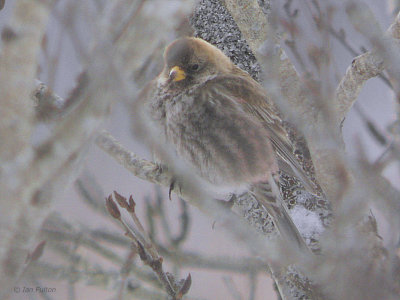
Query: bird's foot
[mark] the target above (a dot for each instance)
(174, 185)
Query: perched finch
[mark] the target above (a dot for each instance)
(220, 121)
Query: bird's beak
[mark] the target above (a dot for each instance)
(177, 74)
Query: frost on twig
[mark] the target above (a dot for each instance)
(145, 248)
(190, 189)
(31, 176)
(147, 170)
(161, 175)
(363, 68)
(21, 45)
(48, 104)
(343, 242)
(76, 266)
(306, 103)
(141, 168)
(247, 29)
(282, 74)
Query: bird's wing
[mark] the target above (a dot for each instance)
(252, 99)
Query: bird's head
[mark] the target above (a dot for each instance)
(189, 61)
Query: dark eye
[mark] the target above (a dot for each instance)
(194, 67)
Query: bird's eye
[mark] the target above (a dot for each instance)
(194, 67)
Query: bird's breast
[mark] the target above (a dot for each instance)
(223, 144)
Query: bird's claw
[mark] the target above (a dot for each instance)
(171, 188)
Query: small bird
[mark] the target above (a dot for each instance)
(220, 121)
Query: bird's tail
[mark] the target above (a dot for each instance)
(268, 195)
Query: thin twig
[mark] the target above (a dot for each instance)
(147, 251)
(253, 285)
(124, 273)
(231, 287)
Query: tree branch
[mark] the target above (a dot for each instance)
(363, 68)
(31, 178)
(21, 42)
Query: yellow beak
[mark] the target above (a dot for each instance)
(177, 74)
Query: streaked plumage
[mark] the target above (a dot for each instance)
(220, 120)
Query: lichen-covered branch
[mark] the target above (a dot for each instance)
(306, 106)
(251, 21)
(292, 99)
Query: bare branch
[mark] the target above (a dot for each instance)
(64, 232)
(363, 68)
(147, 251)
(293, 101)
(306, 101)
(20, 46)
(95, 277)
(161, 175)
(141, 168)
(30, 178)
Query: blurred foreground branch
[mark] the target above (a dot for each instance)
(161, 175)
(31, 176)
(363, 68)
